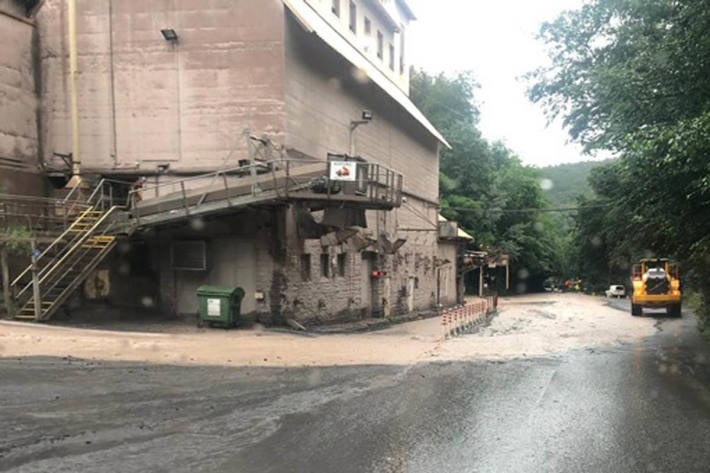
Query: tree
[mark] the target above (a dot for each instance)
(13, 239)
(631, 77)
(481, 183)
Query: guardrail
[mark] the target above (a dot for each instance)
(463, 319)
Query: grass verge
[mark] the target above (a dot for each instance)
(695, 301)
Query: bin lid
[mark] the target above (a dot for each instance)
(220, 291)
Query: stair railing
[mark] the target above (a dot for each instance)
(78, 256)
(49, 268)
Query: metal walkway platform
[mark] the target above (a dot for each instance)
(273, 183)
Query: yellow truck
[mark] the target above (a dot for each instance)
(656, 283)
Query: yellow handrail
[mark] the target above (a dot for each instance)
(71, 250)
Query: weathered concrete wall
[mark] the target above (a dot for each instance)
(323, 95)
(19, 144)
(367, 43)
(240, 252)
(447, 272)
(146, 101)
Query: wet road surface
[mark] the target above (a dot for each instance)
(630, 408)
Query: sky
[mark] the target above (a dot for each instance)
(496, 40)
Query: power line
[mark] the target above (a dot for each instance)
(530, 210)
(409, 207)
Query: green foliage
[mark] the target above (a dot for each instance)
(15, 239)
(631, 76)
(620, 65)
(569, 181)
(481, 181)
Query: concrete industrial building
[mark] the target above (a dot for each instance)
(166, 90)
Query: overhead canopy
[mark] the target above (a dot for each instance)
(460, 234)
(312, 21)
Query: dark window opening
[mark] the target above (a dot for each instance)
(353, 17)
(306, 267)
(139, 260)
(336, 8)
(401, 51)
(324, 266)
(392, 57)
(342, 258)
(416, 283)
(189, 255)
(368, 27)
(380, 45)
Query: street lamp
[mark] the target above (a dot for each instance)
(169, 34)
(364, 120)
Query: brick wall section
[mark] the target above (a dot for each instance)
(412, 271)
(186, 104)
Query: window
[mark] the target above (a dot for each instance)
(325, 266)
(336, 8)
(306, 267)
(189, 255)
(368, 26)
(353, 17)
(391, 57)
(342, 258)
(380, 45)
(401, 50)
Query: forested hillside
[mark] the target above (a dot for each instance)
(565, 182)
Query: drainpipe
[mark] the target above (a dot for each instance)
(74, 91)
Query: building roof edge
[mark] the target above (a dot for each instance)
(313, 22)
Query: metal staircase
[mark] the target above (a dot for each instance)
(58, 271)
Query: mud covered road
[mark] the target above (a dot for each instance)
(535, 390)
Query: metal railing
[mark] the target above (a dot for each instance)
(49, 261)
(38, 214)
(48, 215)
(76, 264)
(281, 179)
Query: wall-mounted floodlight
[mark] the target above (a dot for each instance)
(169, 34)
(366, 118)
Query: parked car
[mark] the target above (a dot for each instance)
(616, 291)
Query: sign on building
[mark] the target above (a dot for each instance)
(343, 171)
(214, 307)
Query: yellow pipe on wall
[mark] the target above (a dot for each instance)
(74, 94)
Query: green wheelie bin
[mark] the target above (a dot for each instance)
(219, 305)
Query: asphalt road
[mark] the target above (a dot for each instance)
(631, 408)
